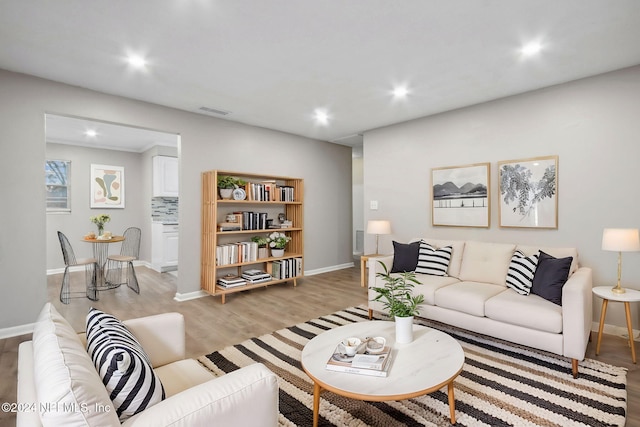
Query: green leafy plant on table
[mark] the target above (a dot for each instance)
(397, 293)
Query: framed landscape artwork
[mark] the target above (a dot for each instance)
(107, 186)
(529, 192)
(460, 196)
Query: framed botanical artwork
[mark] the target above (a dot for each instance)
(529, 192)
(460, 196)
(107, 186)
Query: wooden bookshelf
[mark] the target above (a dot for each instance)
(268, 194)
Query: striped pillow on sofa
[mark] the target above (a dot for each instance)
(433, 261)
(521, 271)
(122, 364)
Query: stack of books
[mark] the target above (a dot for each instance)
(231, 281)
(256, 276)
(375, 365)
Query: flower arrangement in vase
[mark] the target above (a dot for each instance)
(100, 221)
(277, 242)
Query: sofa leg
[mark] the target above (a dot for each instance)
(370, 314)
(574, 367)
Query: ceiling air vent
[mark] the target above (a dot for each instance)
(214, 111)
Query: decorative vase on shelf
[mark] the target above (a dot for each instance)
(404, 329)
(263, 252)
(275, 252)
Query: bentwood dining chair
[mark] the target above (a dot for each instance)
(120, 267)
(70, 260)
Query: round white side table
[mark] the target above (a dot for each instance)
(631, 295)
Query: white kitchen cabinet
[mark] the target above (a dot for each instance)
(164, 251)
(165, 176)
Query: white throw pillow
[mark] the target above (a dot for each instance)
(521, 271)
(122, 364)
(433, 261)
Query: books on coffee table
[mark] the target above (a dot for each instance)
(376, 365)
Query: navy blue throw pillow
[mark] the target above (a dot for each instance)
(405, 256)
(551, 275)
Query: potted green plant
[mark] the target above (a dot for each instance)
(226, 185)
(397, 298)
(262, 242)
(278, 241)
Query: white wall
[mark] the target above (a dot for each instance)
(593, 125)
(206, 143)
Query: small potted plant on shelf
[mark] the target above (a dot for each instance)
(277, 242)
(226, 185)
(397, 298)
(262, 242)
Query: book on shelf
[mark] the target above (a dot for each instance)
(231, 280)
(255, 280)
(375, 365)
(229, 226)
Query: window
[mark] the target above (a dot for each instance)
(57, 175)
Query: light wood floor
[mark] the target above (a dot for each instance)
(211, 325)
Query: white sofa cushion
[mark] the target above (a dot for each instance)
(522, 268)
(486, 262)
(182, 375)
(433, 261)
(530, 311)
(467, 297)
(122, 364)
(430, 284)
(556, 252)
(456, 253)
(65, 376)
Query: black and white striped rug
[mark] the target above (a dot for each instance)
(501, 384)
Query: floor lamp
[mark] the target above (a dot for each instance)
(378, 227)
(620, 240)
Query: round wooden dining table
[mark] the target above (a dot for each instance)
(101, 252)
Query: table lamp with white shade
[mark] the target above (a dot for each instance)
(620, 240)
(378, 227)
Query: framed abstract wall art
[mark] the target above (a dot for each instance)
(529, 192)
(460, 196)
(107, 186)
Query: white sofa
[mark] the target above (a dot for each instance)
(473, 296)
(58, 384)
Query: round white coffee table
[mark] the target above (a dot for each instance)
(630, 295)
(432, 360)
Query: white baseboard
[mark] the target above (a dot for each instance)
(619, 331)
(328, 269)
(189, 296)
(15, 331)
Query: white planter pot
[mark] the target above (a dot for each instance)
(277, 252)
(226, 193)
(404, 329)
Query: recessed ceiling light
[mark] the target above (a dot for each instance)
(136, 61)
(322, 117)
(530, 49)
(400, 92)
(91, 133)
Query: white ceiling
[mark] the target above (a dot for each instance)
(72, 131)
(272, 63)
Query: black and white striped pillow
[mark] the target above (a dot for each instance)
(433, 261)
(521, 271)
(123, 366)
